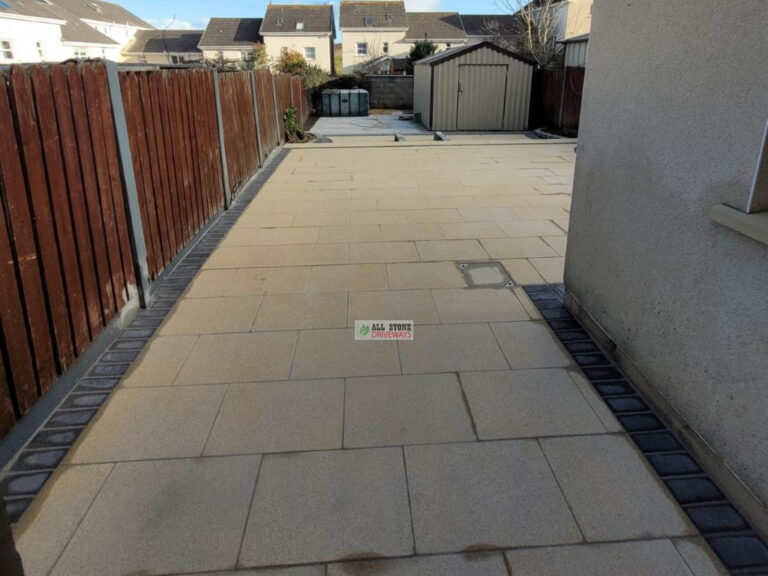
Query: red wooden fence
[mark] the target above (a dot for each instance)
(240, 136)
(556, 99)
(270, 135)
(171, 119)
(67, 265)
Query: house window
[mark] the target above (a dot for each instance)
(246, 56)
(309, 52)
(385, 48)
(362, 48)
(39, 49)
(299, 25)
(178, 59)
(369, 21)
(80, 53)
(6, 50)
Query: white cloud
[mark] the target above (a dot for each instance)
(423, 5)
(173, 24)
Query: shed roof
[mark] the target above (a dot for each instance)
(574, 39)
(283, 18)
(232, 32)
(353, 14)
(452, 53)
(162, 41)
(488, 24)
(435, 26)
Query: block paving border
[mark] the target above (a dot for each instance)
(36, 462)
(729, 535)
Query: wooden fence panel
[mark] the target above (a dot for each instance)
(171, 120)
(240, 137)
(574, 84)
(267, 119)
(556, 99)
(283, 90)
(66, 265)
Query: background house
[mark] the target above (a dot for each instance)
(54, 30)
(164, 47)
(441, 28)
(371, 30)
(488, 27)
(679, 297)
(307, 29)
(231, 39)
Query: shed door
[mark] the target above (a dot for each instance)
(482, 93)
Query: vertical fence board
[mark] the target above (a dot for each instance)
(98, 136)
(7, 416)
(59, 199)
(88, 171)
(82, 234)
(32, 157)
(239, 128)
(13, 329)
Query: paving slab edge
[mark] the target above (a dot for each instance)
(35, 462)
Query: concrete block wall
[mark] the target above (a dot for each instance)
(393, 92)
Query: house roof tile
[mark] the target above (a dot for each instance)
(232, 32)
(488, 24)
(435, 26)
(162, 41)
(355, 14)
(283, 18)
(102, 11)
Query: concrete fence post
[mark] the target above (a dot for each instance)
(135, 226)
(222, 147)
(256, 116)
(277, 112)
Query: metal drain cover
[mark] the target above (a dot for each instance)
(486, 275)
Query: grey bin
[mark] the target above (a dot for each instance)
(352, 102)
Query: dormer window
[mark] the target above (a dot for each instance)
(280, 21)
(94, 6)
(299, 25)
(369, 21)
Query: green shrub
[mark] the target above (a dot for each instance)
(291, 62)
(420, 51)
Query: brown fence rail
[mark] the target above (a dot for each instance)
(171, 120)
(240, 135)
(67, 265)
(86, 189)
(556, 99)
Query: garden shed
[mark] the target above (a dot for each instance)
(476, 87)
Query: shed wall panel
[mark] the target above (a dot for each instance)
(422, 93)
(446, 86)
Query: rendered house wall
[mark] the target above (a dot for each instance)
(672, 119)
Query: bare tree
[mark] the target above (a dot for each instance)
(535, 29)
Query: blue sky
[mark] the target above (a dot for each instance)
(195, 13)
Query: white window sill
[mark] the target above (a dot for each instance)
(754, 226)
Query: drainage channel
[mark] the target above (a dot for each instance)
(729, 535)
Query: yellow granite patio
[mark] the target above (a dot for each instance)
(255, 433)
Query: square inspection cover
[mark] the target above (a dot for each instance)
(486, 275)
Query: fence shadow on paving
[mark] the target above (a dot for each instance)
(105, 176)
